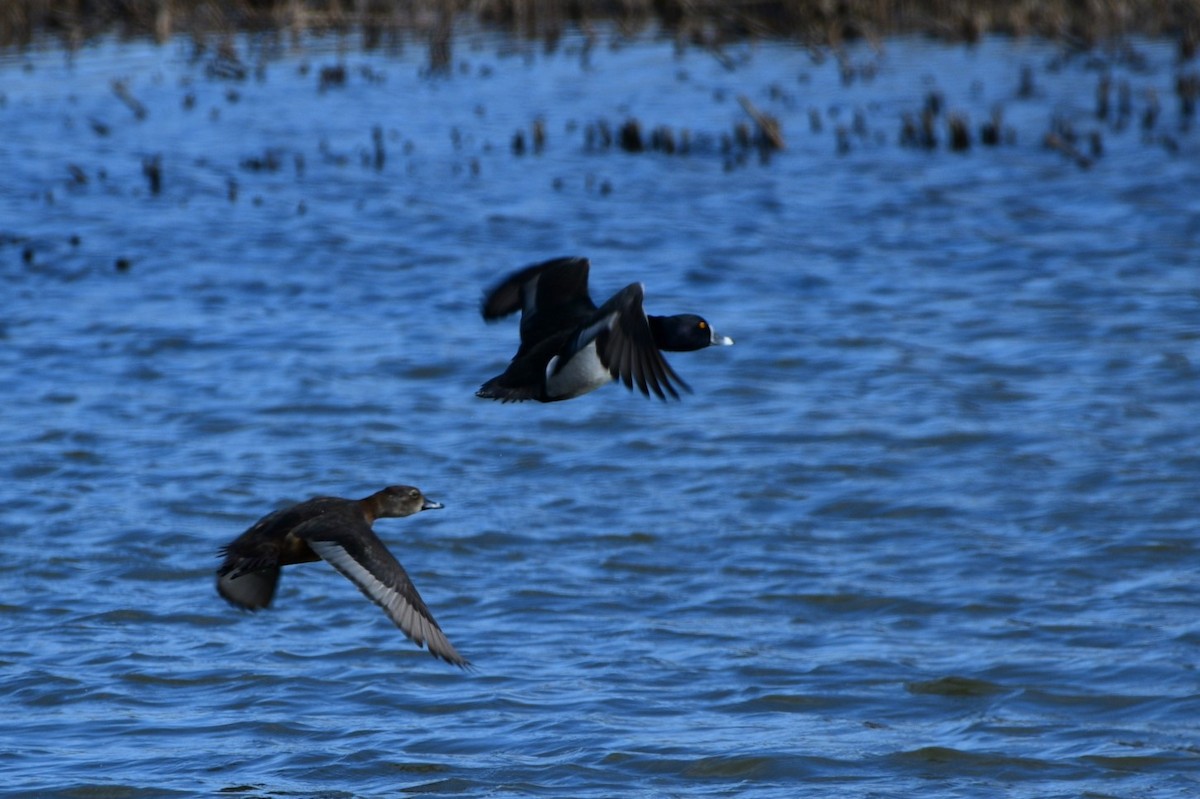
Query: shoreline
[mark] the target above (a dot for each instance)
(704, 23)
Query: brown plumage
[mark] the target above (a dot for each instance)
(339, 531)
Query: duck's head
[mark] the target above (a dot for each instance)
(395, 501)
(685, 332)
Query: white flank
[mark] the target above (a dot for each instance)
(583, 372)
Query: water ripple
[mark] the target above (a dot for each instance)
(928, 528)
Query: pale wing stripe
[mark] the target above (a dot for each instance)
(401, 612)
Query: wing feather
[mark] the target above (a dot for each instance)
(630, 352)
(363, 558)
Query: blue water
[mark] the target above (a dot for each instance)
(929, 528)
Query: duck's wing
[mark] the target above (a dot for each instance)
(625, 345)
(553, 299)
(540, 287)
(247, 587)
(249, 573)
(349, 544)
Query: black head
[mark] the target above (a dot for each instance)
(684, 332)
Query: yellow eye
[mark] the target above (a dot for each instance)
(703, 325)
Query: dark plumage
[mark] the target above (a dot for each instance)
(338, 531)
(570, 347)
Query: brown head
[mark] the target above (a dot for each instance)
(396, 501)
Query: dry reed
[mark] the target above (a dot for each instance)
(706, 22)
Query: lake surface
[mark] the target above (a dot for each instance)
(928, 529)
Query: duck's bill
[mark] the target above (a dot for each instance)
(429, 504)
(721, 341)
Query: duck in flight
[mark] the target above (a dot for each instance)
(338, 531)
(570, 347)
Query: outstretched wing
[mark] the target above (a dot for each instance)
(352, 547)
(538, 287)
(626, 346)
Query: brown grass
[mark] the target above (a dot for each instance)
(708, 22)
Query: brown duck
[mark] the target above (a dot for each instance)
(338, 531)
